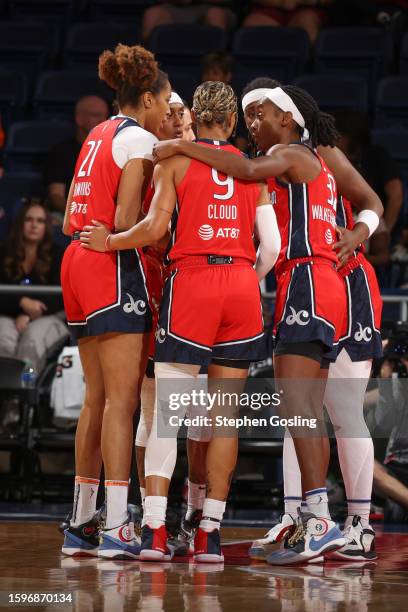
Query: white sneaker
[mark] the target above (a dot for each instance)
(263, 547)
(360, 543)
(120, 543)
(313, 537)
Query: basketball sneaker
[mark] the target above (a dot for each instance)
(312, 538)
(261, 548)
(83, 540)
(360, 543)
(183, 543)
(207, 546)
(154, 544)
(120, 543)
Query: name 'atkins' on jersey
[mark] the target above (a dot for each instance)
(306, 215)
(215, 213)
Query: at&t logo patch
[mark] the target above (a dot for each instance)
(206, 232)
(328, 236)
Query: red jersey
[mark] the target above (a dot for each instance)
(98, 171)
(306, 215)
(215, 213)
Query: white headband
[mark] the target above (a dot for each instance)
(253, 96)
(175, 99)
(285, 103)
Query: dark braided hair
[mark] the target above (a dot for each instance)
(321, 126)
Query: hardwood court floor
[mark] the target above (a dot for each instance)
(30, 562)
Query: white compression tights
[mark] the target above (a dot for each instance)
(161, 452)
(147, 396)
(344, 403)
(148, 393)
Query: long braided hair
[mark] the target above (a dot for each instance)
(321, 126)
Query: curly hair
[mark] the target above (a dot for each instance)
(15, 249)
(131, 71)
(213, 102)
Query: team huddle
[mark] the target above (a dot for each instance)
(170, 240)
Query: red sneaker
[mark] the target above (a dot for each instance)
(207, 546)
(154, 544)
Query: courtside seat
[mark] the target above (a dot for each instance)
(86, 41)
(336, 91)
(364, 52)
(28, 48)
(392, 103)
(180, 47)
(278, 52)
(29, 141)
(58, 91)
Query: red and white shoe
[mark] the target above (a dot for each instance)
(260, 549)
(154, 544)
(207, 546)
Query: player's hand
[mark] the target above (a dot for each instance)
(94, 236)
(165, 149)
(347, 243)
(32, 308)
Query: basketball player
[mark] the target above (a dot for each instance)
(311, 301)
(211, 312)
(172, 127)
(356, 454)
(105, 297)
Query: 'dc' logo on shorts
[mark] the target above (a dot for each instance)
(328, 236)
(206, 232)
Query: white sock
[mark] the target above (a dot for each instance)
(155, 514)
(85, 493)
(292, 504)
(361, 507)
(317, 503)
(344, 400)
(195, 499)
(213, 511)
(116, 494)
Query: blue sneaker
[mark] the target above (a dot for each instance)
(207, 546)
(312, 538)
(120, 543)
(83, 540)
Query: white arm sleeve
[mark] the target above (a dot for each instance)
(132, 142)
(269, 239)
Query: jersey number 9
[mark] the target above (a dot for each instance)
(228, 182)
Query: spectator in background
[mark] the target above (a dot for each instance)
(217, 67)
(309, 15)
(29, 327)
(378, 246)
(212, 12)
(373, 162)
(61, 159)
(172, 126)
(188, 132)
(391, 479)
